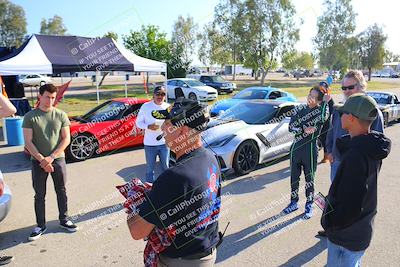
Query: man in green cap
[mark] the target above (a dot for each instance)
(352, 199)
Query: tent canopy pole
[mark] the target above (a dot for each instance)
(97, 89)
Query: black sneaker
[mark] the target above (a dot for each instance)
(6, 259)
(70, 226)
(37, 233)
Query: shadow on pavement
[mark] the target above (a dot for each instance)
(138, 171)
(235, 243)
(20, 236)
(14, 162)
(307, 255)
(257, 182)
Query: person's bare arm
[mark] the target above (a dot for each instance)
(28, 134)
(139, 227)
(6, 107)
(65, 140)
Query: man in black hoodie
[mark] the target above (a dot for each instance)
(352, 199)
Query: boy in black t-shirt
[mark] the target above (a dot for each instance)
(188, 195)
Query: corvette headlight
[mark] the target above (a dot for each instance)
(223, 141)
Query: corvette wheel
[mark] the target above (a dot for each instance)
(246, 158)
(82, 147)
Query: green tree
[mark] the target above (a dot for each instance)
(111, 35)
(151, 43)
(212, 47)
(228, 21)
(335, 26)
(270, 31)
(53, 26)
(372, 48)
(289, 60)
(305, 61)
(184, 35)
(297, 60)
(12, 24)
(391, 57)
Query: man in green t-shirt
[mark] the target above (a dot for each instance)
(46, 134)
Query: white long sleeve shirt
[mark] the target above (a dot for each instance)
(144, 119)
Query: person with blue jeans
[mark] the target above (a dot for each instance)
(351, 204)
(154, 143)
(353, 83)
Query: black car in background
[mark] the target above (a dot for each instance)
(218, 83)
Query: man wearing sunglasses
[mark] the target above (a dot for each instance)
(153, 146)
(353, 83)
(352, 199)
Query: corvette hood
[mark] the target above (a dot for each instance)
(219, 129)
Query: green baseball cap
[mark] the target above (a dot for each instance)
(360, 105)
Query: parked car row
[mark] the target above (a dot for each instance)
(303, 73)
(385, 75)
(246, 130)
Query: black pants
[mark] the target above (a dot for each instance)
(304, 157)
(39, 179)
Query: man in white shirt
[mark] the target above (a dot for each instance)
(153, 143)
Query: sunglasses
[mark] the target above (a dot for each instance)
(160, 94)
(350, 87)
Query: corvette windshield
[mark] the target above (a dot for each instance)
(381, 98)
(251, 113)
(252, 94)
(108, 111)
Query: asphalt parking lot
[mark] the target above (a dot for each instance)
(256, 235)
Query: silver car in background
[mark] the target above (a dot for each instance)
(5, 198)
(250, 133)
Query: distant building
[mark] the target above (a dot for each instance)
(393, 65)
(240, 70)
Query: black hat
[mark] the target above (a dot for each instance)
(185, 112)
(158, 88)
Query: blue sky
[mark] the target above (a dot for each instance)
(94, 18)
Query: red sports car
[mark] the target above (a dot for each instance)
(107, 127)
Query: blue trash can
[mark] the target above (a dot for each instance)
(15, 135)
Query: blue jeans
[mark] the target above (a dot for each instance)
(334, 168)
(342, 257)
(151, 155)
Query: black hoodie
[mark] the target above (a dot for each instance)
(351, 203)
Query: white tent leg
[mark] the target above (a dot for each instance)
(97, 89)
